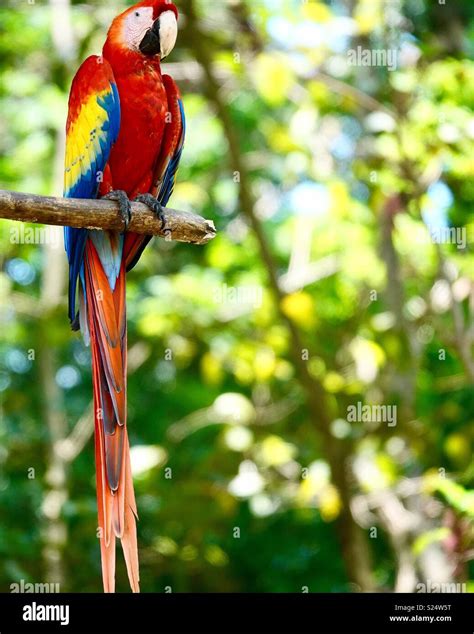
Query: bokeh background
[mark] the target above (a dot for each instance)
(322, 290)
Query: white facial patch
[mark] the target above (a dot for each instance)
(137, 24)
(168, 32)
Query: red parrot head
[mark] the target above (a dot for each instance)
(148, 28)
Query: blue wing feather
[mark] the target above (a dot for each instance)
(99, 118)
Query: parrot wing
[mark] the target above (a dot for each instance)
(172, 145)
(92, 128)
(166, 165)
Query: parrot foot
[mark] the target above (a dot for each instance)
(125, 207)
(156, 207)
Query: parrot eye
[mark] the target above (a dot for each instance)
(137, 14)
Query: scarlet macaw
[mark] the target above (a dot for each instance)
(124, 137)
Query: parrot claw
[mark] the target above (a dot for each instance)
(125, 207)
(156, 207)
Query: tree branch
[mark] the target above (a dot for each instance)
(103, 214)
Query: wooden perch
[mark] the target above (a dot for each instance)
(103, 214)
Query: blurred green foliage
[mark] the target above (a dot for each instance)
(335, 154)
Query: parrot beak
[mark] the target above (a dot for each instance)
(150, 45)
(161, 38)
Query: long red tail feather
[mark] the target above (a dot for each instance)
(115, 496)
